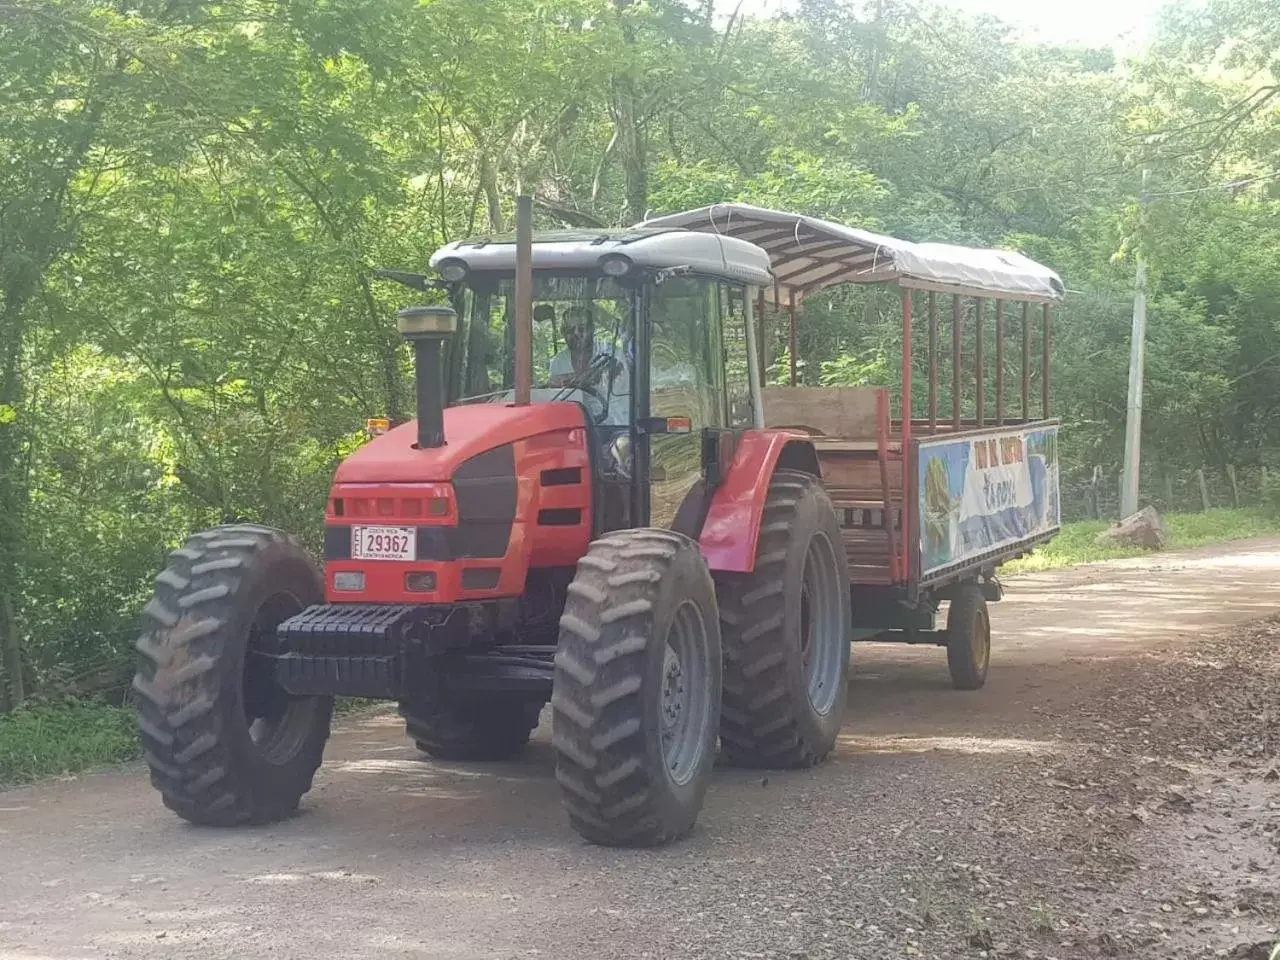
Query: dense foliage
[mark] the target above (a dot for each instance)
(192, 196)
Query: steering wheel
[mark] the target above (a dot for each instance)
(586, 383)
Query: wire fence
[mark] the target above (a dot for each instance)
(1096, 495)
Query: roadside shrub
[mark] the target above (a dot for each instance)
(49, 739)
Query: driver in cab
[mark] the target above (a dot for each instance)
(591, 365)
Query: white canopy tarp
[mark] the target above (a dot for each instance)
(809, 254)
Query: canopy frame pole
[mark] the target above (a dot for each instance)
(933, 362)
(1044, 373)
(1026, 362)
(760, 334)
(791, 311)
(957, 358)
(904, 556)
(979, 360)
(1000, 362)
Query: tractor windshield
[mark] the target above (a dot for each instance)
(582, 343)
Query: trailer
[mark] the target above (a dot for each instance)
(931, 502)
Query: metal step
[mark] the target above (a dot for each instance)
(870, 573)
(842, 504)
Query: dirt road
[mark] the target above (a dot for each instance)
(1010, 822)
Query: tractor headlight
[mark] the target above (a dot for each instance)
(348, 582)
(452, 270)
(615, 265)
(420, 581)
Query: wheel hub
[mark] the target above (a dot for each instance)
(673, 692)
(684, 704)
(277, 722)
(822, 634)
(980, 642)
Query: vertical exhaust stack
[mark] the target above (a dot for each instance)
(524, 301)
(427, 329)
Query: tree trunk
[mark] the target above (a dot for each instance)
(13, 486)
(389, 354)
(871, 86)
(14, 690)
(492, 198)
(630, 134)
(633, 146)
(38, 220)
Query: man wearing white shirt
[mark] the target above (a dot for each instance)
(592, 365)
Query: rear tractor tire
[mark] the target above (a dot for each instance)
(496, 728)
(225, 743)
(637, 689)
(787, 629)
(968, 638)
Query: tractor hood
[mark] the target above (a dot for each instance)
(469, 431)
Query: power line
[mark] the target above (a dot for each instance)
(1217, 186)
(1122, 173)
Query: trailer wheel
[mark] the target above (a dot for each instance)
(495, 728)
(968, 638)
(225, 743)
(637, 689)
(787, 628)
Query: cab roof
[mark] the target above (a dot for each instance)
(662, 247)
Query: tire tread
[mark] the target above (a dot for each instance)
(606, 632)
(760, 722)
(493, 728)
(966, 674)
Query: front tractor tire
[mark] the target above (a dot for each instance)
(787, 627)
(226, 745)
(493, 728)
(637, 689)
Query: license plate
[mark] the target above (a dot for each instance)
(384, 543)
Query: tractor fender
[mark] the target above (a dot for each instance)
(732, 527)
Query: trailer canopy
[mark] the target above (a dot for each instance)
(809, 254)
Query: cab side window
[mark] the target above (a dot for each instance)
(686, 379)
(737, 379)
(685, 373)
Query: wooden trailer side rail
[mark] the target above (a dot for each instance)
(896, 560)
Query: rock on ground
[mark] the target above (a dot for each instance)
(1144, 530)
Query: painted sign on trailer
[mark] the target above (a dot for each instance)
(979, 493)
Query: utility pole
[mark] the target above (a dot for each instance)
(1137, 360)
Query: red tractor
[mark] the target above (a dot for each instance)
(588, 511)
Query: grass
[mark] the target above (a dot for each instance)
(1042, 921)
(51, 739)
(1075, 544)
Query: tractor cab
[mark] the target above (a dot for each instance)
(647, 330)
(638, 360)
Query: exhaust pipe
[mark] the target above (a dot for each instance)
(427, 328)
